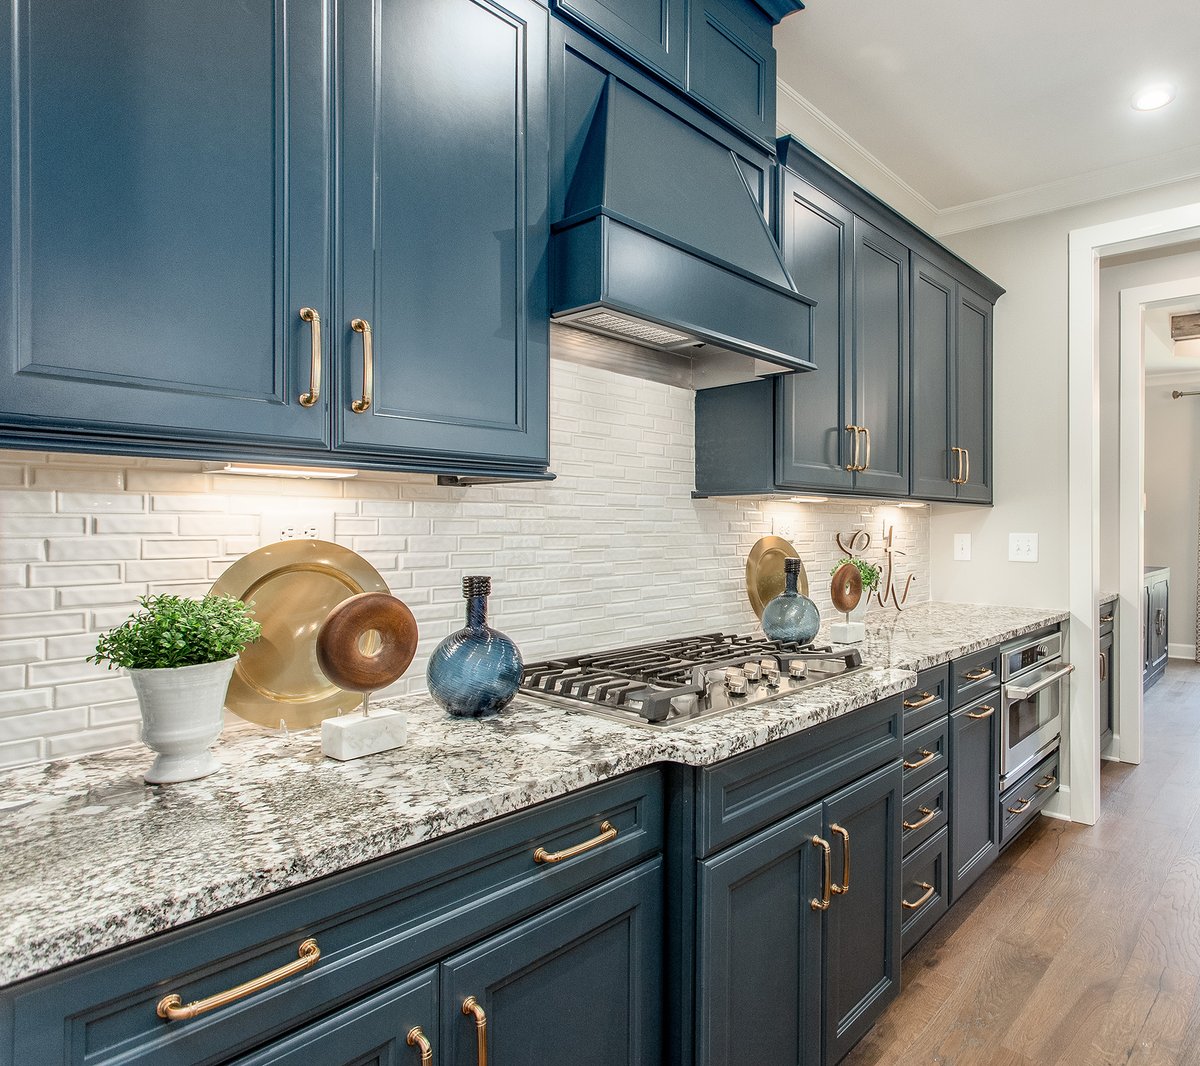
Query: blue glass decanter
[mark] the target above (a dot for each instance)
(791, 615)
(475, 672)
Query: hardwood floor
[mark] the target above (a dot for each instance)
(1081, 945)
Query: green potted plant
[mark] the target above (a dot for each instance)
(180, 654)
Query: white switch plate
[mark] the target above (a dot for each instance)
(295, 525)
(962, 547)
(1023, 547)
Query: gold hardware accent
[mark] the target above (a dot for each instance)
(918, 903)
(925, 699)
(361, 325)
(1160, 617)
(929, 817)
(418, 1039)
(1103, 666)
(1048, 781)
(957, 452)
(986, 711)
(608, 832)
(979, 675)
(853, 464)
(1106, 618)
(1021, 806)
(307, 399)
(867, 461)
(171, 1007)
(822, 904)
(927, 757)
(967, 462)
(844, 887)
(471, 1007)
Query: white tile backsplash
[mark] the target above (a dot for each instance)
(615, 551)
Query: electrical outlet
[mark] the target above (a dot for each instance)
(962, 547)
(1023, 547)
(295, 525)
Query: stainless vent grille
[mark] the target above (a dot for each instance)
(646, 332)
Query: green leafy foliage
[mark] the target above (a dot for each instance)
(174, 631)
(870, 573)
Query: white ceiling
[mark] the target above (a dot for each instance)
(968, 102)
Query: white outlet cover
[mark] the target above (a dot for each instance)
(295, 524)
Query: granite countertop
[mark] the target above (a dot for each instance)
(1109, 597)
(95, 859)
(1149, 573)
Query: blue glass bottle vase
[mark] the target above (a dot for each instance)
(475, 672)
(791, 615)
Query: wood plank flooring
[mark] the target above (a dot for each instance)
(1081, 945)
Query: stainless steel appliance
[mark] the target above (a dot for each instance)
(1032, 701)
(679, 681)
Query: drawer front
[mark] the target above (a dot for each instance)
(923, 813)
(1021, 803)
(925, 754)
(929, 700)
(1106, 618)
(753, 790)
(923, 889)
(973, 675)
(373, 926)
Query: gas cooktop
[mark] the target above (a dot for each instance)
(680, 681)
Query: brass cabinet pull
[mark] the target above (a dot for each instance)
(958, 465)
(844, 887)
(307, 399)
(967, 463)
(608, 832)
(1021, 806)
(853, 464)
(979, 675)
(471, 1007)
(1106, 618)
(361, 325)
(1159, 621)
(918, 903)
(929, 817)
(924, 700)
(822, 904)
(418, 1039)
(1103, 667)
(927, 757)
(1048, 781)
(867, 461)
(984, 712)
(171, 1007)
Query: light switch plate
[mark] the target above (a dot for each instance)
(962, 547)
(1023, 547)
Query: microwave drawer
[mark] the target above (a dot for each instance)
(1021, 803)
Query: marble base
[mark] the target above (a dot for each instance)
(847, 632)
(351, 736)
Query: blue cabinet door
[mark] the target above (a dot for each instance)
(578, 985)
(444, 164)
(167, 168)
(973, 395)
(731, 65)
(652, 32)
(934, 306)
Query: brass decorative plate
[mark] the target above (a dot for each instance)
(294, 585)
(764, 571)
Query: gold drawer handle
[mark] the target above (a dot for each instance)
(471, 1007)
(867, 461)
(924, 700)
(1048, 781)
(979, 675)
(418, 1039)
(308, 399)
(822, 904)
(1106, 618)
(958, 478)
(984, 712)
(844, 887)
(1021, 806)
(1103, 667)
(361, 325)
(927, 757)
(925, 897)
(171, 1008)
(967, 462)
(853, 464)
(608, 832)
(929, 817)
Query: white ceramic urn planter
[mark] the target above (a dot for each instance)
(183, 710)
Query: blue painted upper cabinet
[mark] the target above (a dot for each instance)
(653, 33)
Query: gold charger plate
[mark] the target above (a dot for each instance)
(294, 585)
(764, 571)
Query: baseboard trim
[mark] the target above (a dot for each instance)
(1181, 651)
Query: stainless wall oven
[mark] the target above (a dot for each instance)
(1033, 700)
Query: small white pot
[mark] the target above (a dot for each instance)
(860, 608)
(183, 710)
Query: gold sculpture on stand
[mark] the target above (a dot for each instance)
(887, 587)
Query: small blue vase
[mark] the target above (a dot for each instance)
(475, 672)
(790, 615)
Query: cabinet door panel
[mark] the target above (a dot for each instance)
(444, 158)
(881, 341)
(653, 32)
(974, 790)
(169, 218)
(973, 394)
(579, 985)
(862, 930)
(933, 328)
(1107, 690)
(731, 66)
(816, 236)
(756, 1005)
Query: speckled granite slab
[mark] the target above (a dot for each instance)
(95, 859)
(1109, 597)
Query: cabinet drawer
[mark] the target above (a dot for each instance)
(1106, 618)
(373, 925)
(973, 675)
(1020, 804)
(928, 700)
(925, 754)
(923, 813)
(923, 889)
(752, 790)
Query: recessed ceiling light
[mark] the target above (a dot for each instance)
(1152, 97)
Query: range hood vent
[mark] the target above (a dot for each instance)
(662, 242)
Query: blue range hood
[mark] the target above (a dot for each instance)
(662, 243)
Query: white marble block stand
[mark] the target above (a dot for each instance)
(351, 736)
(847, 632)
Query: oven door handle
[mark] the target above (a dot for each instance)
(1019, 692)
